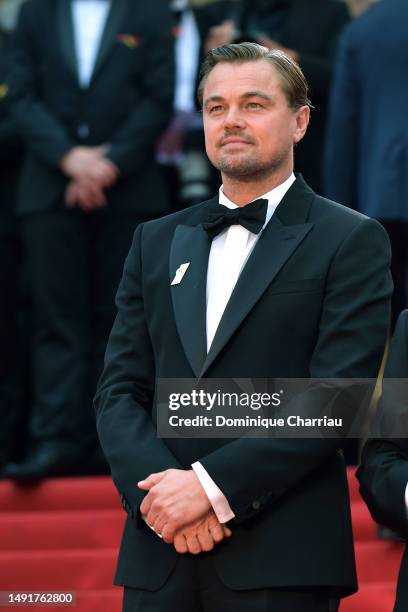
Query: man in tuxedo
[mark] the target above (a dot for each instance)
(291, 285)
(383, 473)
(91, 84)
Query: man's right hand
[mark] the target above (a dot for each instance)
(201, 536)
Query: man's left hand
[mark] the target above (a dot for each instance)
(175, 498)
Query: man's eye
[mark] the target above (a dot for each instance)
(253, 105)
(216, 108)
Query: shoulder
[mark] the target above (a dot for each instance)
(333, 212)
(344, 230)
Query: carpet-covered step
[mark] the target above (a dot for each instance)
(61, 529)
(59, 494)
(57, 569)
(378, 561)
(353, 485)
(376, 597)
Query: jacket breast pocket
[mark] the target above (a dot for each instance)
(311, 285)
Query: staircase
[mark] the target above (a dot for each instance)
(63, 535)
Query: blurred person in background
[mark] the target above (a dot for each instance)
(366, 163)
(11, 155)
(91, 84)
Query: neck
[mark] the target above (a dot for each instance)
(241, 191)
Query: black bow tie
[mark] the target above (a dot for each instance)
(252, 217)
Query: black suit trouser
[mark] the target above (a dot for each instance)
(75, 263)
(194, 586)
(11, 355)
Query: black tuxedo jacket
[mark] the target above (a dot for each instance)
(312, 300)
(126, 105)
(11, 146)
(383, 473)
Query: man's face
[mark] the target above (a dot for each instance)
(249, 128)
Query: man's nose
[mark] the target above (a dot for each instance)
(234, 119)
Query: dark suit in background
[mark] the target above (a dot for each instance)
(311, 301)
(12, 353)
(311, 28)
(367, 138)
(76, 258)
(383, 473)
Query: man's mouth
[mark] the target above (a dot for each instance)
(234, 140)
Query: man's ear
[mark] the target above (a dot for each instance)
(302, 121)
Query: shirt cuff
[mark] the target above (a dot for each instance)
(217, 499)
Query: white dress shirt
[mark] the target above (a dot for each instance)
(89, 17)
(187, 52)
(229, 253)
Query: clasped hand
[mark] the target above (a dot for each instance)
(178, 509)
(90, 173)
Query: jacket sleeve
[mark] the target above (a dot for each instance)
(253, 473)
(318, 67)
(383, 473)
(43, 134)
(138, 134)
(124, 398)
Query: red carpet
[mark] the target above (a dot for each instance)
(64, 535)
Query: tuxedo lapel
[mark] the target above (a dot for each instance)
(191, 245)
(283, 234)
(65, 28)
(112, 29)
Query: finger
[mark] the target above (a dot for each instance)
(84, 196)
(70, 196)
(104, 171)
(159, 524)
(150, 481)
(93, 194)
(205, 539)
(169, 531)
(180, 543)
(98, 197)
(217, 532)
(227, 531)
(193, 544)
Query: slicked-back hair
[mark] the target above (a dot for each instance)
(294, 84)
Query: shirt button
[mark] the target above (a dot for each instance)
(256, 504)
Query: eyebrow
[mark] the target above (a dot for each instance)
(245, 96)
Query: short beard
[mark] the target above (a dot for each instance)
(249, 170)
